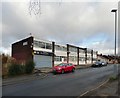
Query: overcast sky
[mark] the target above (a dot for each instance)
(85, 24)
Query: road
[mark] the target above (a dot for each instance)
(68, 84)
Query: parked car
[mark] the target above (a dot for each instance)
(104, 63)
(64, 67)
(97, 64)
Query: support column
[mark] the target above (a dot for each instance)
(68, 53)
(77, 55)
(53, 51)
(92, 56)
(85, 55)
(97, 55)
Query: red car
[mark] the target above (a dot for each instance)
(64, 67)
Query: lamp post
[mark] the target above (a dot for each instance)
(115, 11)
(115, 66)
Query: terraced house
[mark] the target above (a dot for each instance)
(48, 54)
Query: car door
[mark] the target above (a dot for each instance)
(70, 67)
(65, 67)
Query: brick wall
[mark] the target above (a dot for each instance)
(22, 50)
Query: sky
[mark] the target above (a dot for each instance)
(84, 24)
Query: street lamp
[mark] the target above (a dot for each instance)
(115, 66)
(115, 11)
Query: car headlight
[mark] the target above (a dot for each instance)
(59, 68)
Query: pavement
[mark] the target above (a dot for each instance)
(109, 88)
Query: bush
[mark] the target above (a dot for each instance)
(15, 69)
(29, 66)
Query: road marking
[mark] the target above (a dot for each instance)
(93, 89)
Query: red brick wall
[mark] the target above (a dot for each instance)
(23, 53)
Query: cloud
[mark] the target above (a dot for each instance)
(73, 23)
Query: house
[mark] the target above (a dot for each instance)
(108, 58)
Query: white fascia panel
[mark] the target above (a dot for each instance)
(60, 53)
(41, 49)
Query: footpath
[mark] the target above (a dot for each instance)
(109, 89)
(38, 74)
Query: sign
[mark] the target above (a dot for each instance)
(25, 43)
(43, 53)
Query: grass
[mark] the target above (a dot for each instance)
(113, 78)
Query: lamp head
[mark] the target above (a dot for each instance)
(114, 10)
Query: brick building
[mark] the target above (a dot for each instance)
(47, 54)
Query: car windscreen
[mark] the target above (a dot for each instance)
(97, 62)
(62, 64)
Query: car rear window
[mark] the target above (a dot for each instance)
(70, 64)
(62, 64)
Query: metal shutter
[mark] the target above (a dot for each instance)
(42, 61)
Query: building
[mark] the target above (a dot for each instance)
(48, 54)
(108, 58)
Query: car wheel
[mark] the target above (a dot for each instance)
(73, 70)
(54, 73)
(62, 71)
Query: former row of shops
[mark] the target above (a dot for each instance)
(48, 54)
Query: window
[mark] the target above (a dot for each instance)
(41, 44)
(25, 43)
(81, 51)
(57, 58)
(81, 59)
(64, 48)
(72, 49)
(70, 64)
(36, 44)
(71, 58)
(48, 46)
(89, 51)
(57, 47)
(62, 64)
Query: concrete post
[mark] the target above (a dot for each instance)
(77, 55)
(68, 53)
(97, 55)
(92, 56)
(53, 51)
(85, 55)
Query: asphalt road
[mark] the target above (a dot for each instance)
(68, 84)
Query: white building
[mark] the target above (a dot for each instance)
(48, 54)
